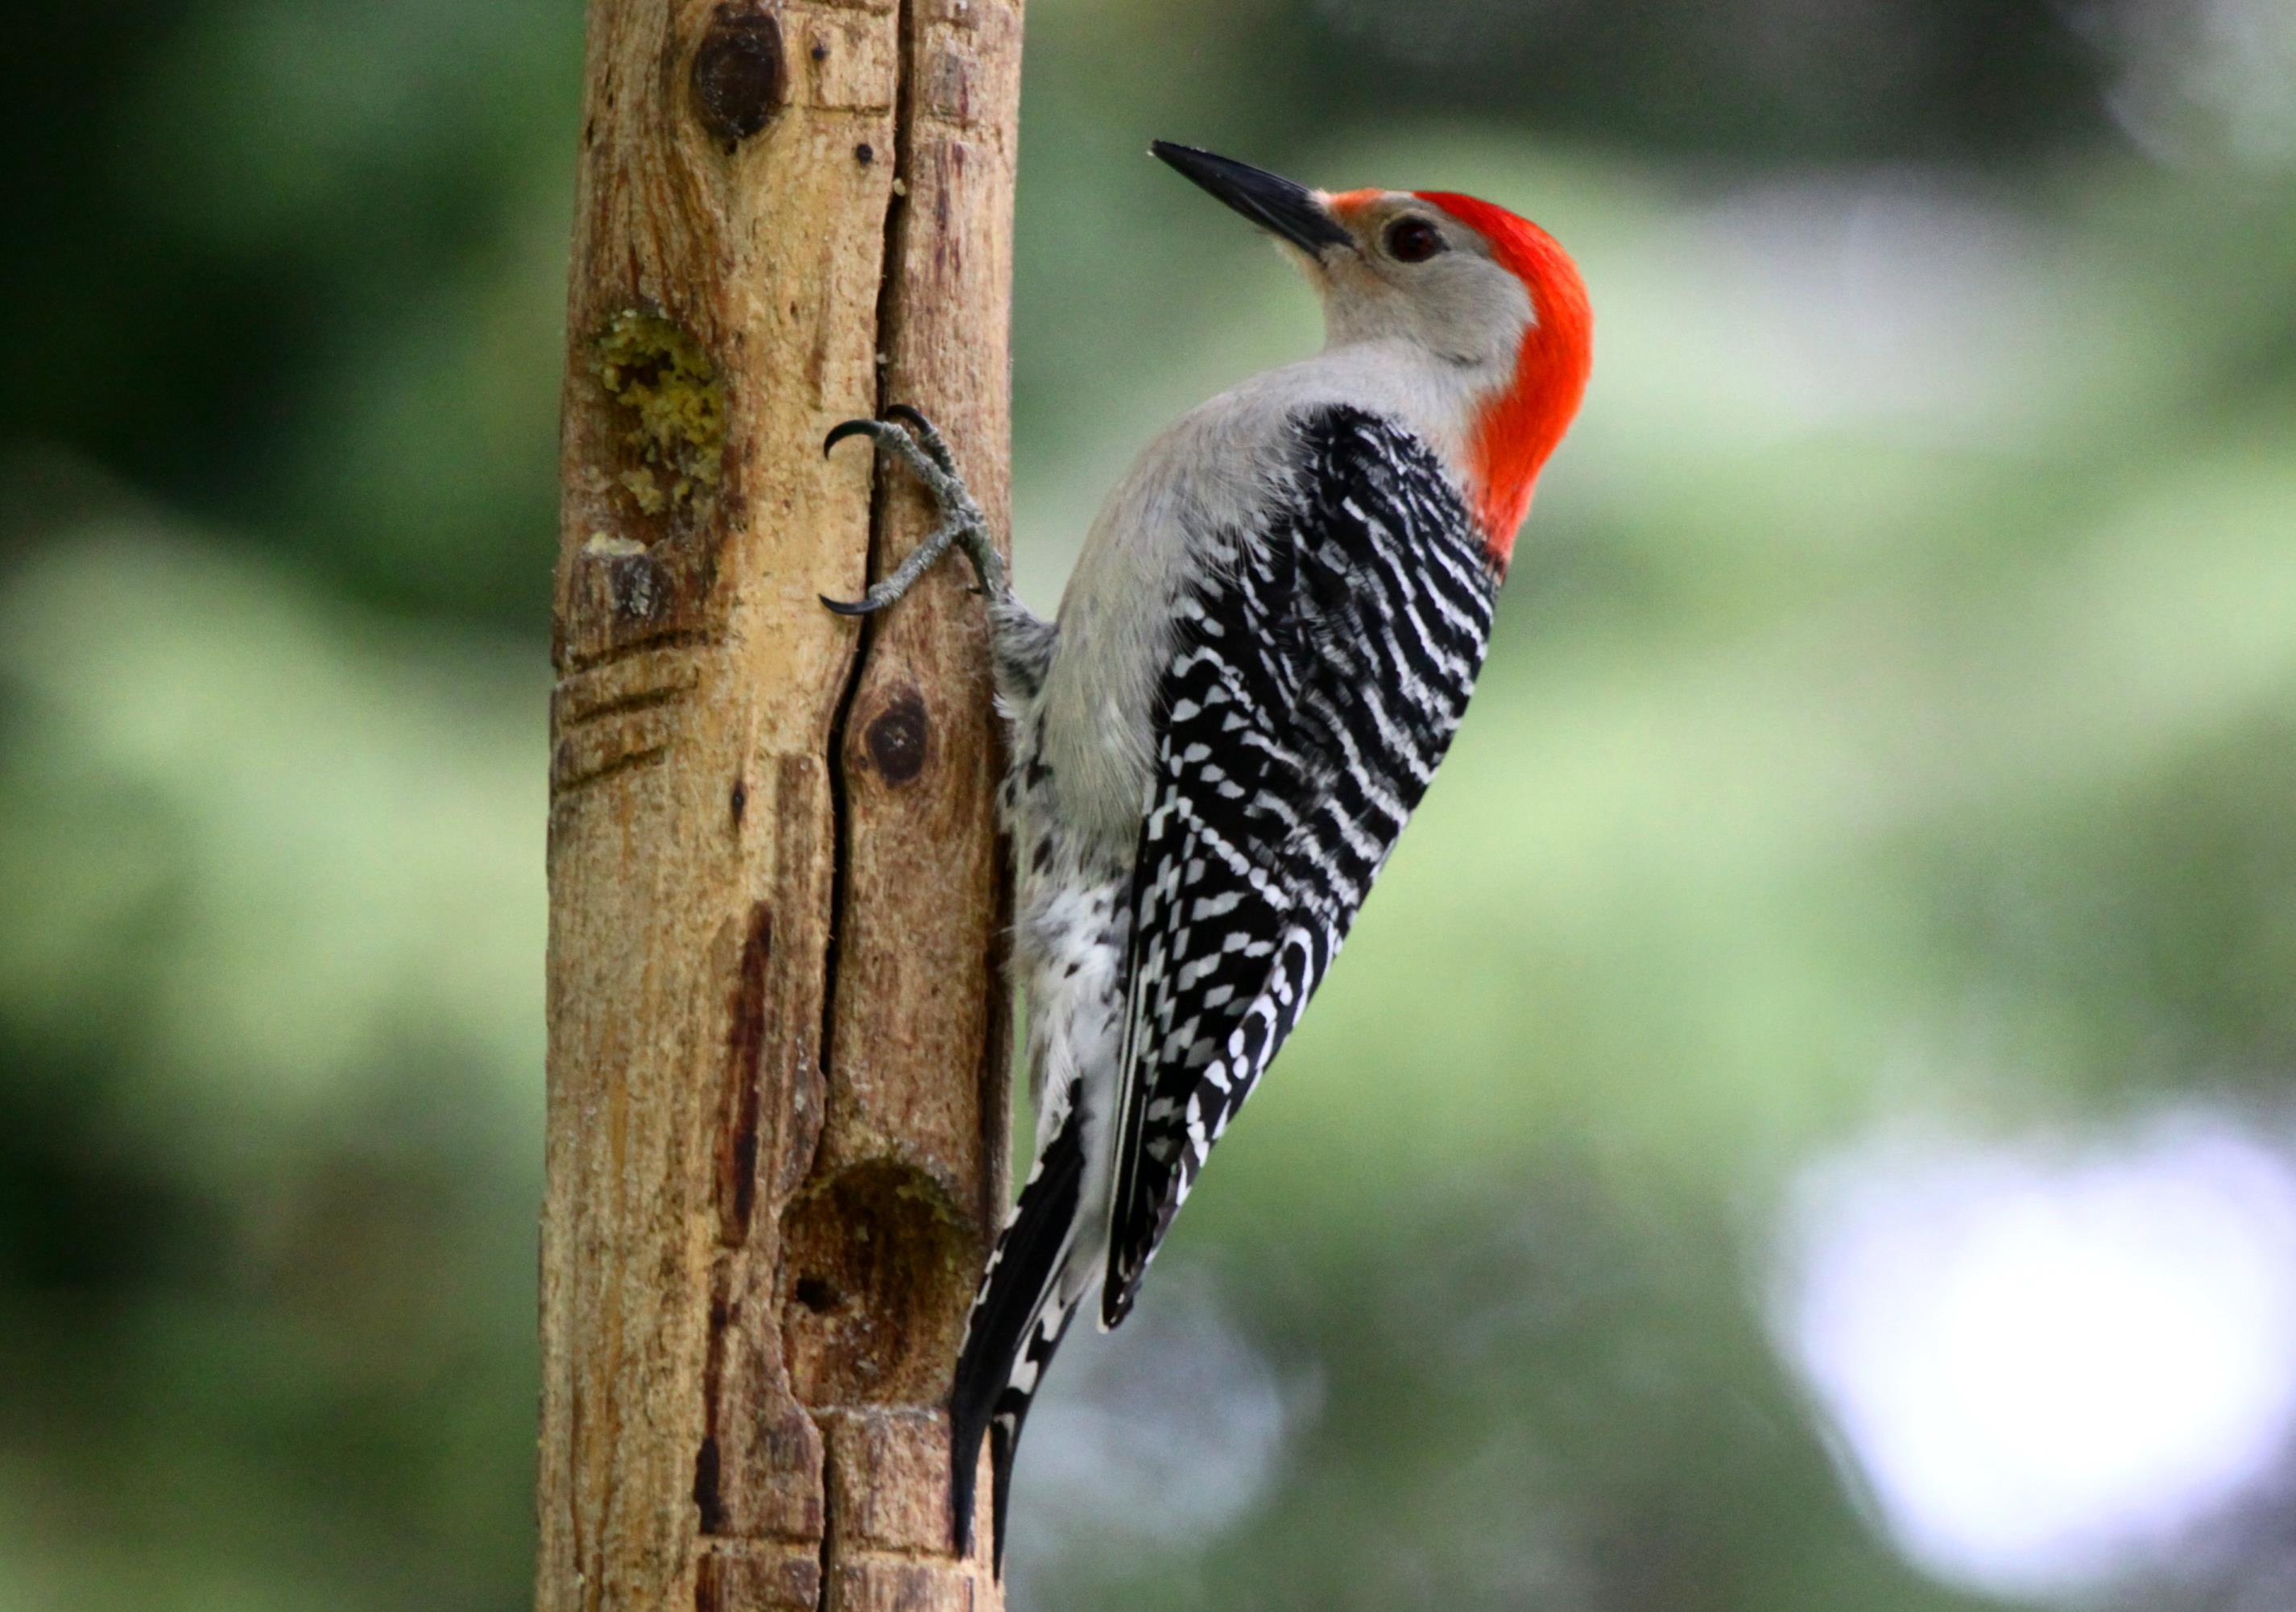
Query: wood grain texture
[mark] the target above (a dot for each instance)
(776, 1122)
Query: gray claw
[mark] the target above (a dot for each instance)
(906, 434)
(850, 428)
(926, 432)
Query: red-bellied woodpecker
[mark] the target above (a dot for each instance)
(1268, 643)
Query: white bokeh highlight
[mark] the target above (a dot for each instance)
(1157, 1437)
(2202, 83)
(2051, 1364)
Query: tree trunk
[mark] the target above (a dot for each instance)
(777, 1144)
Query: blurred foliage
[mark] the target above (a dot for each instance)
(1894, 712)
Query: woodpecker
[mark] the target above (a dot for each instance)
(1265, 646)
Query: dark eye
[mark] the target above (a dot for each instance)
(1414, 241)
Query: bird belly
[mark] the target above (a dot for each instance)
(1074, 921)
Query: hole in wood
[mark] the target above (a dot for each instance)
(882, 1268)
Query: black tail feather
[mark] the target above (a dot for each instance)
(1003, 1443)
(1012, 1300)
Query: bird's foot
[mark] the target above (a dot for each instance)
(913, 439)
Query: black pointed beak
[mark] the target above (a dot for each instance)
(1289, 211)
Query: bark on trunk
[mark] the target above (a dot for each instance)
(776, 1144)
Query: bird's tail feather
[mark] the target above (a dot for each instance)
(1016, 1323)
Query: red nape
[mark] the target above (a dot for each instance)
(1520, 426)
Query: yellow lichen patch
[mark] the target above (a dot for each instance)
(673, 402)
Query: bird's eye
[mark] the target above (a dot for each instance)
(1414, 241)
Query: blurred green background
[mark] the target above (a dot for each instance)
(1804, 1125)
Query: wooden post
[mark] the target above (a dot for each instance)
(776, 1133)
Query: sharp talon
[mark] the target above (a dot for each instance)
(850, 428)
(854, 607)
(907, 415)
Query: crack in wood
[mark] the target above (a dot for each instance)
(737, 1152)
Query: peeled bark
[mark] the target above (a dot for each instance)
(776, 1128)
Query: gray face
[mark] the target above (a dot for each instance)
(1410, 272)
(1392, 269)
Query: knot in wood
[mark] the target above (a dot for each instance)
(740, 77)
(900, 738)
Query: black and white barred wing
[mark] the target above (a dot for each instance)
(1313, 686)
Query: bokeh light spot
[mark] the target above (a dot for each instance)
(2050, 1363)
